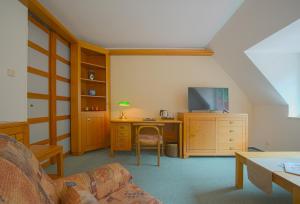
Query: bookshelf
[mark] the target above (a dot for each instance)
(90, 98)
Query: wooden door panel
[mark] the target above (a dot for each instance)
(202, 134)
(95, 132)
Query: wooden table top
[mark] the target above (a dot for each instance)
(140, 120)
(294, 179)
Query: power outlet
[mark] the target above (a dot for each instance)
(11, 73)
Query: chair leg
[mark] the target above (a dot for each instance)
(163, 153)
(158, 154)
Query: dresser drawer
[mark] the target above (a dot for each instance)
(232, 122)
(230, 146)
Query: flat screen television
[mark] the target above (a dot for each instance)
(208, 99)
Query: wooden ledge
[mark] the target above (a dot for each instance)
(174, 52)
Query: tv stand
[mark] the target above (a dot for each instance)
(214, 134)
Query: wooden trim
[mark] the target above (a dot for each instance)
(175, 52)
(92, 47)
(63, 98)
(38, 10)
(38, 120)
(46, 164)
(38, 24)
(42, 142)
(52, 89)
(38, 48)
(66, 154)
(60, 78)
(63, 117)
(63, 60)
(36, 71)
(37, 96)
(62, 137)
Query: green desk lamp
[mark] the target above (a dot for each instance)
(123, 104)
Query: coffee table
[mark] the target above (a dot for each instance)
(287, 181)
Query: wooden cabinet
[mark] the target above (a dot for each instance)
(120, 136)
(90, 98)
(93, 130)
(212, 134)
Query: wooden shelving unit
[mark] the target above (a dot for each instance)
(91, 111)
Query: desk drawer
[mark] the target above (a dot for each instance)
(121, 136)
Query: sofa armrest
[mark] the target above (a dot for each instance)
(100, 182)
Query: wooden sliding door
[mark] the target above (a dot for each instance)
(48, 86)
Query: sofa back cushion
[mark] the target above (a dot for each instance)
(22, 178)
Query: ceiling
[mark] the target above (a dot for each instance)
(144, 23)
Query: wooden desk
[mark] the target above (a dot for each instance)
(45, 152)
(122, 134)
(287, 181)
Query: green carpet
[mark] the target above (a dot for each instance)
(197, 180)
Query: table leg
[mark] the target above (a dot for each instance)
(239, 167)
(296, 195)
(180, 141)
(60, 164)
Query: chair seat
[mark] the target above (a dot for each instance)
(149, 139)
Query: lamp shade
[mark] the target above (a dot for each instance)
(124, 103)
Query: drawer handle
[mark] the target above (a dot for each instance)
(88, 119)
(231, 131)
(121, 127)
(230, 148)
(230, 122)
(231, 139)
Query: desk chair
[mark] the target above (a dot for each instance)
(154, 139)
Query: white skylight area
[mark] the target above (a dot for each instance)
(278, 58)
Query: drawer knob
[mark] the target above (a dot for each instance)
(230, 139)
(230, 122)
(231, 131)
(230, 148)
(88, 119)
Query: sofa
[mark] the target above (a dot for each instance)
(23, 180)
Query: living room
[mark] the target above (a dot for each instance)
(150, 101)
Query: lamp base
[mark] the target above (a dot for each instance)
(122, 116)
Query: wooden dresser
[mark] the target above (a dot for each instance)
(214, 134)
(18, 130)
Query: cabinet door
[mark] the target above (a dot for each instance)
(94, 132)
(201, 135)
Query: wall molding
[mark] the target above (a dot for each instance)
(174, 52)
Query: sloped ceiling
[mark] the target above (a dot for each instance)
(252, 23)
(144, 23)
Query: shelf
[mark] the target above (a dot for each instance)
(93, 81)
(93, 65)
(88, 96)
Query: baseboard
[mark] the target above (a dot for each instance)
(254, 149)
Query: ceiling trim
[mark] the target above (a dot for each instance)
(175, 52)
(38, 10)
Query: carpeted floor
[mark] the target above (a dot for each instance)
(197, 180)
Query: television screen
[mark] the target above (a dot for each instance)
(208, 99)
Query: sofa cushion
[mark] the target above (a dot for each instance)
(101, 181)
(22, 176)
(75, 194)
(130, 194)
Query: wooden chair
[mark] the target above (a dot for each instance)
(154, 139)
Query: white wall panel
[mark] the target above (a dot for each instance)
(38, 132)
(62, 88)
(38, 36)
(63, 127)
(37, 108)
(63, 107)
(62, 69)
(37, 60)
(37, 84)
(66, 144)
(62, 50)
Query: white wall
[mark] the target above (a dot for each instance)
(151, 83)
(13, 55)
(253, 22)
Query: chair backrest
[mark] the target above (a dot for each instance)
(157, 128)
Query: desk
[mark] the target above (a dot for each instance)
(44, 152)
(122, 134)
(287, 181)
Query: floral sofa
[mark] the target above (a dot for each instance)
(22, 180)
